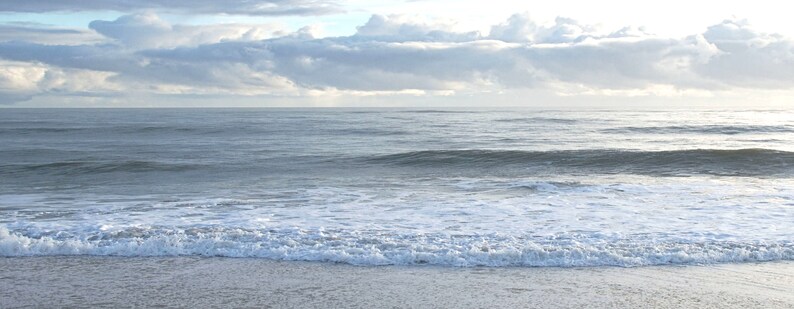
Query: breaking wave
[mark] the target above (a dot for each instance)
(385, 248)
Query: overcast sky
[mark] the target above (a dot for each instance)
(71, 53)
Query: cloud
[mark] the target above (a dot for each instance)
(615, 63)
(21, 81)
(397, 28)
(517, 28)
(235, 7)
(388, 53)
(99, 57)
(521, 28)
(18, 82)
(396, 54)
(147, 30)
(45, 34)
(747, 58)
(352, 64)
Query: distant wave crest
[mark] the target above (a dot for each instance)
(703, 129)
(740, 162)
(78, 167)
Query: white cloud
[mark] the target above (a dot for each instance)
(147, 30)
(401, 28)
(403, 55)
(21, 81)
(518, 28)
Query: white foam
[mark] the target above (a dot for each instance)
(606, 220)
(361, 248)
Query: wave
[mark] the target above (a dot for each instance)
(366, 132)
(95, 167)
(124, 129)
(383, 248)
(437, 111)
(538, 120)
(703, 129)
(36, 130)
(156, 129)
(740, 162)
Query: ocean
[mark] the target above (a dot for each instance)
(479, 187)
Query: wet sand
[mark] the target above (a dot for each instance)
(227, 282)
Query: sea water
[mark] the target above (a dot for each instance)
(480, 187)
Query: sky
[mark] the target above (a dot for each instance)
(182, 53)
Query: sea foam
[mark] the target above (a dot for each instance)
(370, 248)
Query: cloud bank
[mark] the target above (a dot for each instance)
(141, 53)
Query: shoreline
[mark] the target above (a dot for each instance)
(91, 281)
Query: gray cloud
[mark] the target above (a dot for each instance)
(104, 57)
(748, 58)
(239, 7)
(350, 63)
(44, 34)
(7, 98)
(614, 63)
(391, 53)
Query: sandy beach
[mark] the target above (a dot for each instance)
(228, 282)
